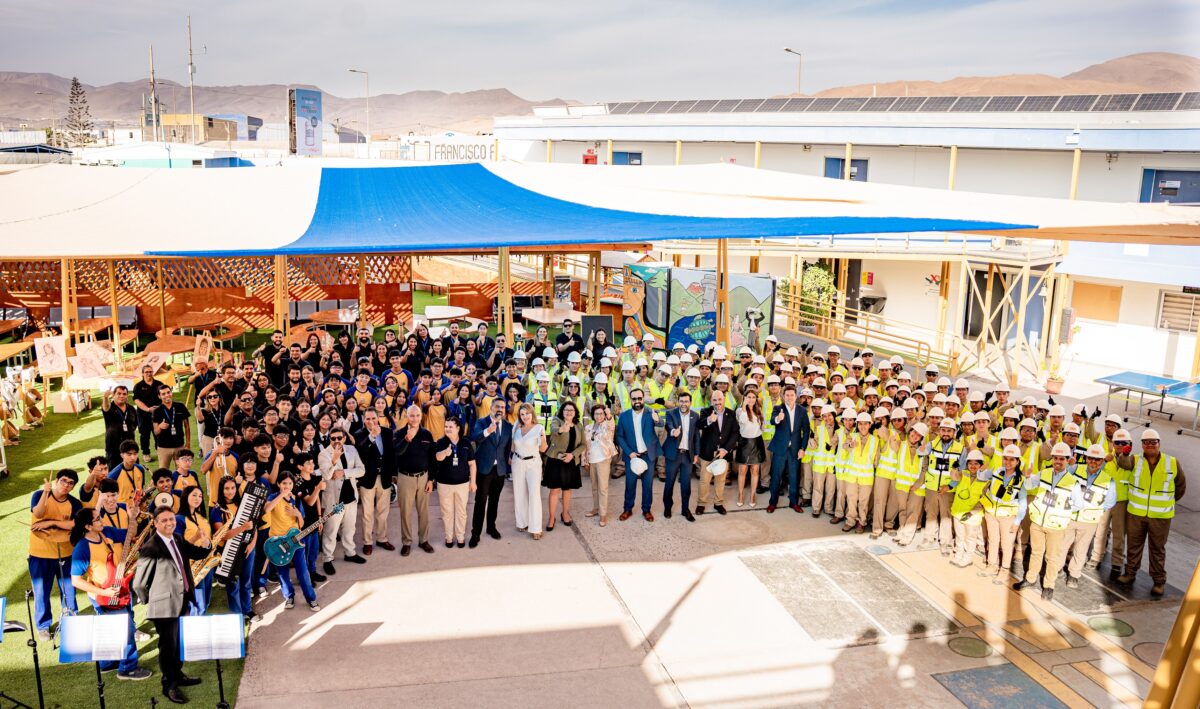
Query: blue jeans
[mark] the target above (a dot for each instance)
(631, 485)
(300, 564)
(779, 462)
(678, 466)
(130, 662)
(201, 597)
(312, 549)
(43, 573)
(238, 588)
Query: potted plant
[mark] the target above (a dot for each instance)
(1054, 381)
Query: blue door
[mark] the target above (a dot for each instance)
(858, 169)
(1174, 186)
(621, 157)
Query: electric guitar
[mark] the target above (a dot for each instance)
(282, 548)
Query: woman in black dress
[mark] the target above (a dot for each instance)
(562, 461)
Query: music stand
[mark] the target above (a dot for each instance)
(94, 638)
(213, 637)
(12, 626)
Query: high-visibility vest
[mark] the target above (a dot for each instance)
(841, 460)
(1121, 477)
(941, 460)
(1094, 496)
(823, 460)
(768, 422)
(1152, 492)
(1029, 459)
(887, 457)
(1002, 497)
(967, 494)
(659, 391)
(908, 471)
(697, 394)
(861, 462)
(1051, 506)
(623, 388)
(545, 408)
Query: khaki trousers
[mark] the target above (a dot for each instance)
(841, 503)
(453, 500)
(410, 493)
(166, 457)
(599, 474)
(707, 482)
(1138, 529)
(1077, 540)
(824, 485)
(1045, 544)
(1001, 533)
(966, 539)
(911, 506)
(375, 503)
(885, 505)
(858, 503)
(1113, 521)
(938, 527)
(806, 479)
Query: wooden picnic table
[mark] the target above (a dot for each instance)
(546, 316)
(7, 326)
(335, 316)
(172, 344)
(94, 325)
(12, 349)
(199, 321)
(437, 313)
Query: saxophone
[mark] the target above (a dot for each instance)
(202, 567)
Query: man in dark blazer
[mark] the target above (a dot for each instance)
(682, 450)
(718, 439)
(378, 455)
(787, 447)
(636, 438)
(163, 581)
(492, 438)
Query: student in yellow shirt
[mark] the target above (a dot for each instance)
(50, 547)
(192, 522)
(130, 475)
(282, 513)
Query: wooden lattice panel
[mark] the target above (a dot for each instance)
(240, 272)
(30, 276)
(343, 270)
(91, 275)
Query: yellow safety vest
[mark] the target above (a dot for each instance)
(967, 494)
(545, 408)
(861, 462)
(940, 462)
(887, 457)
(768, 423)
(658, 391)
(823, 460)
(623, 388)
(908, 471)
(1051, 506)
(1002, 499)
(1152, 492)
(841, 460)
(1094, 496)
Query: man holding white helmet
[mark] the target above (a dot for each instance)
(1095, 494)
(1157, 481)
(718, 437)
(1050, 511)
(640, 450)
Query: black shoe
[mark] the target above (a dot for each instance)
(1047, 594)
(316, 577)
(494, 533)
(328, 567)
(426, 547)
(1021, 584)
(688, 515)
(462, 545)
(699, 510)
(174, 695)
(405, 550)
(762, 490)
(356, 559)
(1072, 582)
(136, 674)
(449, 543)
(185, 681)
(667, 513)
(720, 509)
(474, 541)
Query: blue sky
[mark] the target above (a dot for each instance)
(602, 50)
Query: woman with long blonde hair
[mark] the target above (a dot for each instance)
(528, 444)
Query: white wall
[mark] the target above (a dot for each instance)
(1134, 342)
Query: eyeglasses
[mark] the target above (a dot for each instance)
(337, 439)
(213, 396)
(635, 398)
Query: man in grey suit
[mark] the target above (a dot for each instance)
(163, 581)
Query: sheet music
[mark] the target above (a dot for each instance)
(212, 637)
(93, 638)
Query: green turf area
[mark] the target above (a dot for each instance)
(67, 441)
(422, 299)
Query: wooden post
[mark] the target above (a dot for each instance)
(848, 160)
(549, 151)
(677, 261)
(958, 315)
(1022, 297)
(679, 152)
(1173, 684)
(496, 150)
(363, 318)
(281, 291)
(610, 151)
(68, 300)
(986, 332)
(696, 261)
(757, 154)
(723, 293)
(943, 304)
(953, 165)
(505, 320)
(162, 298)
(1075, 161)
(116, 318)
(843, 277)
(595, 282)
(754, 264)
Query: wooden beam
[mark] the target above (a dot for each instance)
(610, 151)
(504, 297)
(679, 152)
(162, 296)
(549, 151)
(116, 318)
(723, 324)
(848, 160)
(363, 319)
(1076, 159)
(753, 264)
(67, 297)
(953, 165)
(757, 154)
(943, 304)
(1173, 684)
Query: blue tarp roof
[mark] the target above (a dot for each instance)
(467, 206)
(1166, 265)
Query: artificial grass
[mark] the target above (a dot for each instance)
(67, 441)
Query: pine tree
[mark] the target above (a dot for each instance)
(79, 116)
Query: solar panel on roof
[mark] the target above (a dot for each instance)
(822, 104)
(908, 104)
(642, 107)
(1003, 103)
(750, 105)
(796, 105)
(1039, 103)
(661, 106)
(1156, 102)
(703, 106)
(969, 104)
(725, 106)
(771, 105)
(1115, 102)
(1075, 103)
(935, 104)
(681, 107)
(850, 104)
(622, 107)
(1189, 102)
(879, 103)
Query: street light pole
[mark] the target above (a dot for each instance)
(367, 77)
(799, 67)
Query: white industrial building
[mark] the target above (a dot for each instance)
(1131, 305)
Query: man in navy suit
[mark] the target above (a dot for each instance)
(682, 449)
(787, 447)
(636, 439)
(492, 437)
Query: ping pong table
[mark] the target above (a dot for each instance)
(1156, 387)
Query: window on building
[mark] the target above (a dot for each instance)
(621, 157)
(834, 167)
(1096, 301)
(1179, 312)
(1174, 186)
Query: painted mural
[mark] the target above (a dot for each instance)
(680, 305)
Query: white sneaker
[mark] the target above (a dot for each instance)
(289, 603)
(314, 606)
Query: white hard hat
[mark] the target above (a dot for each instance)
(693, 372)
(857, 362)
(864, 417)
(759, 359)
(538, 361)
(721, 379)
(573, 357)
(716, 467)
(1121, 435)
(745, 351)
(1071, 427)
(727, 365)
(792, 352)
(1013, 414)
(975, 396)
(1027, 422)
(896, 359)
(948, 423)
(627, 366)
(1029, 401)
(937, 411)
(851, 382)
(642, 362)
(880, 411)
(630, 341)
(921, 428)
(848, 404)
(967, 417)
(610, 352)
(772, 338)
(685, 357)
(637, 465)
(910, 404)
(1114, 418)
(962, 384)
(676, 346)
(867, 351)
(647, 337)
(1079, 410)
(820, 382)
(719, 352)
(572, 379)
(838, 389)
(519, 354)
(803, 392)
(849, 414)
(1096, 451)
(665, 369)
(833, 349)
(543, 377)
(944, 382)
(1043, 404)
(1011, 451)
(1057, 410)
(776, 358)
(1009, 434)
(693, 348)
(975, 455)
(828, 410)
(931, 368)
(898, 413)
(929, 387)
(705, 363)
(904, 376)
(549, 353)
(773, 379)
(605, 362)
(871, 391)
(600, 378)
(757, 370)
(953, 399)
(1061, 450)
(1149, 435)
(659, 356)
(938, 398)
